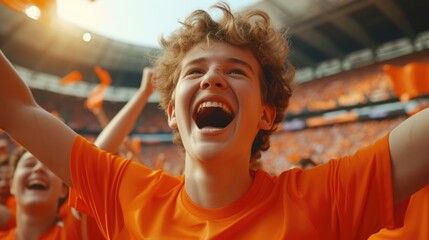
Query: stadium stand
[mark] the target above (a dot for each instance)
(339, 48)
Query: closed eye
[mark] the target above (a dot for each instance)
(29, 163)
(237, 72)
(195, 71)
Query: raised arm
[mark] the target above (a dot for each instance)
(49, 139)
(115, 132)
(101, 116)
(126, 145)
(409, 148)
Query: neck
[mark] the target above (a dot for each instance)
(216, 186)
(31, 226)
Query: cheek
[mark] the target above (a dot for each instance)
(184, 88)
(57, 182)
(58, 187)
(15, 182)
(183, 96)
(249, 95)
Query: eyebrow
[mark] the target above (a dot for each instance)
(30, 158)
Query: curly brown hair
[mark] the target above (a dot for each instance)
(15, 157)
(250, 29)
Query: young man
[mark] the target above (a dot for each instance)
(7, 201)
(225, 86)
(38, 193)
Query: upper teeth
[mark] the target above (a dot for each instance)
(215, 104)
(36, 182)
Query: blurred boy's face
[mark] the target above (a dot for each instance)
(33, 184)
(4, 183)
(217, 103)
(4, 152)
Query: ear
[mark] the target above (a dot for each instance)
(268, 114)
(172, 123)
(64, 191)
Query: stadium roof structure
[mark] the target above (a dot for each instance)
(326, 36)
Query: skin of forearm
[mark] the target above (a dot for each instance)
(409, 147)
(120, 126)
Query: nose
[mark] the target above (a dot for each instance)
(213, 79)
(39, 167)
(4, 183)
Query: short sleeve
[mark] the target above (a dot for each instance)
(96, 177)
(353, 195)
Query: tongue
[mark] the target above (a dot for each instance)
(213, 117)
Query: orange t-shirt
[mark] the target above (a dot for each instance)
(349, 198)
(11, 205)
(416, 224)
(90, 229)
(71, 222)
(56, 232)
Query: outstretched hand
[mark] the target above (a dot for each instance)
(146, 84)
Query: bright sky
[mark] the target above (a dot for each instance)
(139, 22)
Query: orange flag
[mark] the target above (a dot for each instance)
(421, 77)
(46, 8)
(103, 75)
(96, 96)
(15, 4)
(136, 143)
(409, 81)
(57, 115)
(72, 77)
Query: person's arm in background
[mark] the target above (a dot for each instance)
(101, 116)
(120, 126)
(409, 148)
(34, 128)
(126, 149)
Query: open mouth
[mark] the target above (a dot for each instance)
(214, 115)
(37, 185)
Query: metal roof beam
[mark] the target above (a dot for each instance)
(320, 42)
(396, 15)
(353, 29)
(302, 58)
(329, 15)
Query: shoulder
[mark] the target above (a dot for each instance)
(8, 235)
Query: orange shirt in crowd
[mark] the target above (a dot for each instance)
(71, 222)
(11, 205)
(416, 224)
(90, 229)
(57, 232)
(350, 198)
